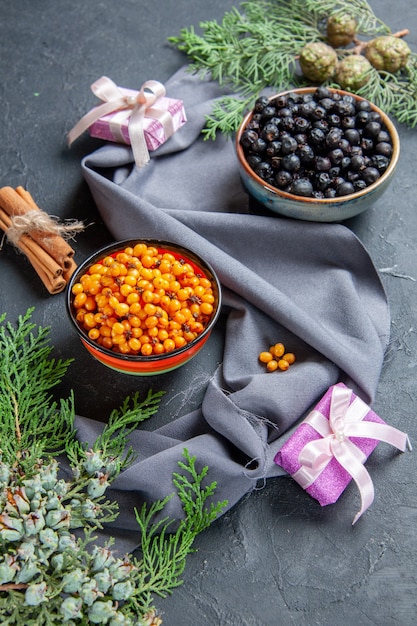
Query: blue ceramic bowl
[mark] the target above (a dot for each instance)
(312, 209)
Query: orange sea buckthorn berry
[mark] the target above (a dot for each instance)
(90, 303)
(151, 321)
(77, 288)
(169, 345)
(122, 309)
(278, 350)
(107, 342)
(174, 306)
(283, 365)
(199, 291)
(165, 265)
(206, 308)
(136, 332)
(147, 260)
(122, 257)
(272, 365)
(94, 334)
(124, 348)
(149, 308)
(89, 321)
(158, 348)
(101, 301)
(139, 249)
(99, 268)
(174, 286)
(113, 302)
(205, 282)
(146, 273)
(159, 282)
(117, 328)
(130, 280)
(134, 344)
(162, 334)
(99, 319)
(265, 357)
(290, 357)
(125, 290)
(189, 335)
(146, 349)
(179, 341)
(133, 299)
(148, 296)
(178, 269)
(208, 297)
(79, 300)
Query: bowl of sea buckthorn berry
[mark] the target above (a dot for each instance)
(144, 306)
(316, 153)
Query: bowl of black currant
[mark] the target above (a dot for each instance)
(317, 153)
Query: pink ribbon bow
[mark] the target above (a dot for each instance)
(140, 106)
(345, 420)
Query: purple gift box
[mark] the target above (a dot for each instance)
(309, 455)
(115, 126)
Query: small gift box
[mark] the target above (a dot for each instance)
(331, 445)
(144, 119)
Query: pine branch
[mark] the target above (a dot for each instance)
(163, 553)
(112, 443)
(47, 575)
(256, 48)
(27, 374)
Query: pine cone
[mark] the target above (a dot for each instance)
(341, 29)
(387, 53)
(352, 72)
(318, 61)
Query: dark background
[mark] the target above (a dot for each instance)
(277, 558)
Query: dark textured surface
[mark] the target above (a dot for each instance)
(277, 558)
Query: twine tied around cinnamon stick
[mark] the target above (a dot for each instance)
(39, 236)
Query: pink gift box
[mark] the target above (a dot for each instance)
(333, 478)
(114, 126)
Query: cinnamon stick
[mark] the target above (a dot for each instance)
(46, 268)
(37, 236)
(14, 204)
(50, 265)
(68, 272)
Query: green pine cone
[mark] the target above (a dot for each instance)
(318, 61)
(341, 30)
(352, 72)
(387, 53)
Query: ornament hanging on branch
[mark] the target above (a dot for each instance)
(274, 44)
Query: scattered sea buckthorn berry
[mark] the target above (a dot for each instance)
(141, 301)
(289, 357)
(283, 365)
(272, 365)
(278, 350)
(276, 358)
(265, 357)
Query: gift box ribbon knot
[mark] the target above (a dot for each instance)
(136, 107)
(345, 420)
